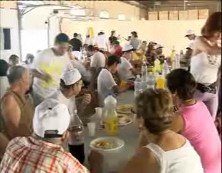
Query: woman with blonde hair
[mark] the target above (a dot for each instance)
(164, 150)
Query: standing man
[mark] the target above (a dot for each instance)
(112, 38)
(49, 66)
(76, 43)
(191, 36)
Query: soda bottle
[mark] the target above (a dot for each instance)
(76, 138)
(160, 82)
(111, 120)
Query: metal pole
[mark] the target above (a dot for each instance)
(19, 17)
(48, 31)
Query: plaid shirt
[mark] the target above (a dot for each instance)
(29, 155)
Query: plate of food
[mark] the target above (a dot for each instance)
(106, 144)
(123, 120)
(125, 109)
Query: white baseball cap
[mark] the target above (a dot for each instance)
(157, 46)
(71, 76)
(189, 32)
(51, 119)
(127, 47)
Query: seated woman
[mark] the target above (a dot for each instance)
(165, 151)
(194, 120)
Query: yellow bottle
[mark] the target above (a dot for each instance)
(111, 123)
(160, 82)
(111, 120)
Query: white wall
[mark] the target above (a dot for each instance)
(168, 33)
(8, 19)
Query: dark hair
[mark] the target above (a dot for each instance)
(3, 67)
(13, 57)
(91, 48)
(113, 59)
(30, 56)
(212, 25)
(61, 38)
(182, 82)
(134, 33)
(75, 35)
(15, 73)
(156, 109)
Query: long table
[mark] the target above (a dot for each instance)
(115, 161)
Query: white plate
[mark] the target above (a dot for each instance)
(118, 143)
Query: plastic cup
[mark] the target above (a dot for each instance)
(99, 112)
(92, 128)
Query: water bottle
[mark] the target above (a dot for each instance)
(76, 138)
(151, 80)
(144, 72)
(166, 69)
(110, 120)
(137, 86)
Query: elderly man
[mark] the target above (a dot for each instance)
(42, 152)
(16, 106)
(48, 68)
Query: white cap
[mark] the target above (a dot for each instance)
(157, 46)
(189, 32)
(127, 47)
(51, 118)
(71, 76)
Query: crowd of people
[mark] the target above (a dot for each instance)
(39, 96)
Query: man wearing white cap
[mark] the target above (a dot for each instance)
(125, 68)
(42, 152)
(70, 86)
(190, 35)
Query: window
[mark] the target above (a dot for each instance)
(5, 35)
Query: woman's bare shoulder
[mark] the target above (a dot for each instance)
(143, 161)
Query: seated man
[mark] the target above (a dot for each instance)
(16, 106)
(125, 68)
(105, 81)
(42, 152)
(97, 62)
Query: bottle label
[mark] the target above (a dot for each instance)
(111, 126)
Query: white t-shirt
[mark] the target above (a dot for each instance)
(98, 60)
(102, 42)
(124, 69)
(70, 103)
(48, 62)
(105, 83)
(86, 75)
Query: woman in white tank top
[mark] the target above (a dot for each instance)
(162, 150)
(206, 61)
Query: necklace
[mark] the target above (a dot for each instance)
(212, 59)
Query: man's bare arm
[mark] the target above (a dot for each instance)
(11, 114)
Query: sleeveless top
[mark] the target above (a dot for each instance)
(182, 160)
(205, 68)
(27, 111)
